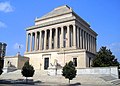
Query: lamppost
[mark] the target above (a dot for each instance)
(63, 54)
(64, 40)
(19, 47)
(55, 64)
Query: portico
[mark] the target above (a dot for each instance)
(69, 36)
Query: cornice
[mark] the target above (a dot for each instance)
(59, 51)
(41, 19)
(51, 23)
(80, 19)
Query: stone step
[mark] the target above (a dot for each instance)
(116, 82)
(17, 73)
(108, 78)
(41, 72)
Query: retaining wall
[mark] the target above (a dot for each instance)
(113, 71)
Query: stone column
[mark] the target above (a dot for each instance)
(83, 36)
(50, 43)
(88, 42)
(40, 41)
(77, 37)
(92, 43)
(27, 42)
(84, 41)
(31, 41)
(80, 39)
(68, 37)
(45, 38)
(95, 45)
(61, 38)
(56, 38)
(74, 36)
(35, 41)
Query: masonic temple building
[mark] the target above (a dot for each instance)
(58, 37)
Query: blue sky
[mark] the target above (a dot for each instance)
(17, 15)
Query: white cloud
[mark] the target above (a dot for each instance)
(6, 7)
(115, 47)
(2, 25)
(18, 46)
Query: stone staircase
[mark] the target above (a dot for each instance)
(45, 79)
(40, 73)
(12, 75)
(17, 74)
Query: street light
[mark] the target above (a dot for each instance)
(55, 64)
(63, 54)
(65, 39)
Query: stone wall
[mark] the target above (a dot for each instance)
(15, 61)
(113, 71)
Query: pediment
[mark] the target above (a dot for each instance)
(57, 11)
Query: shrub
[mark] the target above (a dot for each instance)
(27, 70)
(69, 71)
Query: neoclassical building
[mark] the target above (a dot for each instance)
(58, 37)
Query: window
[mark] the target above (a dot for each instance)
(75, 62)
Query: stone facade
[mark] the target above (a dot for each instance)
(15, 62)
(59, 37)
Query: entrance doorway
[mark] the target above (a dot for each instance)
(46, 63)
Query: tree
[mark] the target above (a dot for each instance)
(27, 70)
(1, 71)
(105, 58)
(69, 71)
(1, 66)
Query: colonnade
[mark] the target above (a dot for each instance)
(69, 36)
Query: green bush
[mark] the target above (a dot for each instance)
(69, 71)
(1, 71)
(27, 70)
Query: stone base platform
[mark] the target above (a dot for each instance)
(41, 78)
